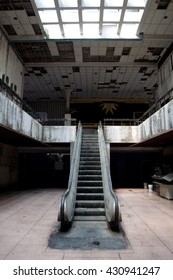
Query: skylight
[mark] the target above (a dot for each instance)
(69, 27)
(109, 30)
(48, 16)
(90, 30)
(52, 31)
(90, 3)
(133, 15)
(128, 30)
(90, 15)
(70, 16)
(45, 4)
(112, 19)
(111, 15)
(67, 3)
(113, 3)
(137, 3)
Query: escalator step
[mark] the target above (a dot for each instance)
(89, 190)
(90, 203)
(89, 218)
(89, 211)
(89, 196)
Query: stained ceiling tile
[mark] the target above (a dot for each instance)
(19, 29)
(28, 29)
(22, 16)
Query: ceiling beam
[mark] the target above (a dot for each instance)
(41, 38)
(87, 64)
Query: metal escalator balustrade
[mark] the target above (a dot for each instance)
(112, 208)
(67, 206)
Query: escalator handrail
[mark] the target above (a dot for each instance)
(69, 197)
(111, 200)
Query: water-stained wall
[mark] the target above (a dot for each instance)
(159, 122)
(59, 134)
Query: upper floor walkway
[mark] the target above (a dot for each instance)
(15, 119)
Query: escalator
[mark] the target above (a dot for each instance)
(89, 196)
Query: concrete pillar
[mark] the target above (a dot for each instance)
(67, 106)
(67, 119)
(67, 92)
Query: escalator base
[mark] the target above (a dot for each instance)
(88, 235)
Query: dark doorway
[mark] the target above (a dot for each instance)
(132, 169)
(43, 170)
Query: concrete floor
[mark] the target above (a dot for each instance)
(27, 218)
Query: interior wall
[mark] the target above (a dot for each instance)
(8, 165)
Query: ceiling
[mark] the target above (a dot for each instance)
(98, 68)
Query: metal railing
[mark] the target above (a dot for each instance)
(121, 122)
(68, 199)
(112, 207)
